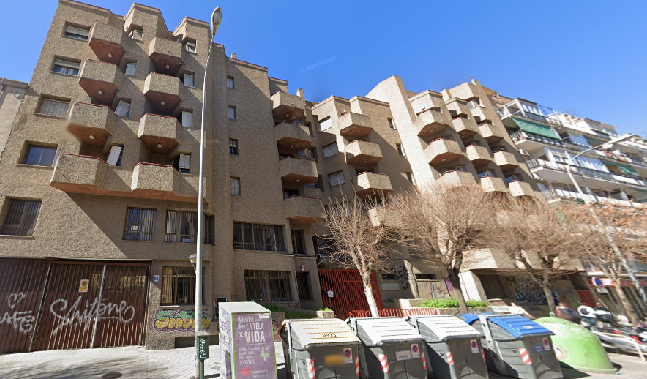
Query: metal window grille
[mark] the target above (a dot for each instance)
(40, 156)
(51, 107)
(140, 224)
(303, 286)
(298, 242)
(279, 284)
(258, 237)
(77, 33)
(21, 217)
(66, 67)
(178, 285)
(256, 285)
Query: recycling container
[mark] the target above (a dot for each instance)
(453, 347)
(392, 349)
(320, 348)
(516, 346)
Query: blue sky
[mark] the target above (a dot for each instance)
(586, 58)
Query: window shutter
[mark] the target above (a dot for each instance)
(235, 186)
(330, 150)
(131, 69)
(185, 161)
(188, 80)
(79, 31)
(115, 153)
(123, 109)
(187, 119)
(53, 107)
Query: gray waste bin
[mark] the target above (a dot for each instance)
(516, 346)
(453, 347)
(392, 348)
(320, 348)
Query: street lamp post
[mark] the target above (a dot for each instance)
(601, 225)
(216, 18)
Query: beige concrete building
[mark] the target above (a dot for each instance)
(12, 92)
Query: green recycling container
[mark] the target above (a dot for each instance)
(577, 347)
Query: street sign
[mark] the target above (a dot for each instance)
(597, 282)
(203, 347)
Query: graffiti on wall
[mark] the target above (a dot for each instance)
(85, 313)
(20, 321)
(179, 320)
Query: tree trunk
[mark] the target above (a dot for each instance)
(458, 291)
(552, 308)
(368, 292)
(624, 301)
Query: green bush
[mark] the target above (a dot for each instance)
(325, 309)
(274, 308)
(450, 302)
(297, 314)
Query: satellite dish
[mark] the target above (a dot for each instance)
(216, 18)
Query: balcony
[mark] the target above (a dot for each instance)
(160, 134)
(442, 150)
(362, 153)
(166, 55)
(492, 184)
(430, 122)
(163, 182)
(490, 132)
(298, 171)
(79, 174)
(91, 123)
(455, 178)
(99, 79)
(465, 126)
(370, 183)
(163, 91)
(354, 125)
(520, 188)
(304, 210)
(505, 159)
(287, 107)
(559, 172)
(107, 42)
(478, 154)
(292, 137)
(482, 114)
(457, 108)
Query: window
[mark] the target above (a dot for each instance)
(188, 80)
(486, 174)
(267, 285)
(40, 156)
(398, 146)
(303, 286)
(123, 109)
(233, 146)
(389, 277)
(410, 177)
(140, 224)
(189, 46)
(209, 231)
(131, 69)
(325, 124)
(474, 103)
(323, 246)
(426, 276)
(178, 285)
(136, 34)
(183, 163)
(182, 226)
(77, 33)
(258, 237)
(21, 217)
(66, 67)
(51, 107)
(330, 150)
(230, 82)
(186, 119)
(231, 112)
(235, 186)
(299, 242)
(391, 124)
(116, 153)
(336, 179)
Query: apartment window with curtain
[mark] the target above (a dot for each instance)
(233, 146)
(182, 226)
(140, 224)
(131, 69)
(336, 179)
(330, 150)
(188, 80)
(21, 217)
(231, 112)
(267, 285)
(258, 237)
(115, 156)
(230, 82)
(183, 163)
(235, 186)
(186, 119)
(136, 34)
(190, 46)
(303, 286)
(178, 285)
(75, 32)
(51, 107)
(325, 124)
(61, 66)
(39, 156)
(298, 242)
(123, 108)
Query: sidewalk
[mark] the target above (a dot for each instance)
(136, 362)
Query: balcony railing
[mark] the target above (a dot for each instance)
(561, 193)
(521, 136)
(587, 172)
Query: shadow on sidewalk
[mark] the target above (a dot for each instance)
(104, 369)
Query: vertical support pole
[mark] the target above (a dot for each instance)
(96, 319)
(40, 308)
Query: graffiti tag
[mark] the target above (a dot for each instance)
(181, 320)
(21, 321)
(79, 314)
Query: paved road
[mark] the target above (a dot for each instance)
(137, 362)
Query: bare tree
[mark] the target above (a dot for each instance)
(444, 225)
(357, 242)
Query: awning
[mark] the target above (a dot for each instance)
(536, 128)
(624, 169)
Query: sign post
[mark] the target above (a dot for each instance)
(202, 347)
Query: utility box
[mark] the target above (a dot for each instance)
(320, 348)
(453, 347)
(516, 346)
(392, 349)
(246, 341)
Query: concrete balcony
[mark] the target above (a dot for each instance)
(304, 210)
(442, 150)
(91, 123)
(99, 80)
(519, 188)
(362, 153)
(465, 126)
(107, 42)
(166, 55)
(163, 182)
(354, 125)
(79, 174)
(292, 137)
(490, 132)
(430, 122)
(505, 159)
(298, 171)
(369, 183)
(287, 107)
(160, 134)
(458, 108)
(481, 114)
(453, 179)
(163, 91)
(492, 184)
(478, 154)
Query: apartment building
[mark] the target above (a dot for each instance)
(12, 92)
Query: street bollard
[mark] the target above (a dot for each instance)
(202, 353)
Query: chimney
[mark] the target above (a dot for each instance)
(233, 56)
(300, 93)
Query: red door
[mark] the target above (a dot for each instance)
(347, 291)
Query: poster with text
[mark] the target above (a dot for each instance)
(253, 346)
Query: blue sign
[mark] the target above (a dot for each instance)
(597, 282)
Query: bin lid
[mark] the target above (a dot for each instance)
(519, 326)
(470, 317)
(387, 329)
(322, 331)
(243, 307)
(448, 327)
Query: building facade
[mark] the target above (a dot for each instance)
(12, 92)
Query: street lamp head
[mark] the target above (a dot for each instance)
(216, 19)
